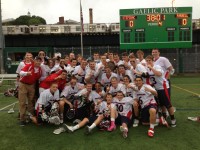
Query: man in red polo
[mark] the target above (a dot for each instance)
(59, 77)
(28, 77)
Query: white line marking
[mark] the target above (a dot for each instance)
(8, 106)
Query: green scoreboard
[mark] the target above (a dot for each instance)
(146, 28)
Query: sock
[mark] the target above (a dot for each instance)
(112, 119)
(92, 126)
(151, 126)
(172, 117)
(75, 127)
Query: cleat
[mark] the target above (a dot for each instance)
(22, 123)
(68, 128)
(193, 118)
(173, 123)
(136, 122)
(59, 130)
(124, 131)
(151, 132)
(112, 127)
(87, 130)
(163, 122)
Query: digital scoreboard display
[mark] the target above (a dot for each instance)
(148, 28)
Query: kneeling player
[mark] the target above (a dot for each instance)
(47, 106)
(101, 119)
(145, 97)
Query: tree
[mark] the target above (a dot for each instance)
(28, 20)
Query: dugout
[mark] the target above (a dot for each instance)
(13, 56)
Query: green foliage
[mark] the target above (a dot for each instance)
(27, 20)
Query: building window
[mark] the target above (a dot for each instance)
(78, 28)
(139, 37)
(54, 29)
(42, 29)
(67, 28)
(170, 35)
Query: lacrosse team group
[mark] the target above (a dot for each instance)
(102, 92)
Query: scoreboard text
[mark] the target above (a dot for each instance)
(148, 28)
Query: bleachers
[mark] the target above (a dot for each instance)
(8, 77)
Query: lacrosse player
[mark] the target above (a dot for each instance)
(47, 106)
(101, 119)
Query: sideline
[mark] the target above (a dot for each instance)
(8, 106)
(186, 90)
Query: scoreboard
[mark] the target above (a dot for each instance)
(147, 28)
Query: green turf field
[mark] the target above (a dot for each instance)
(184, 137)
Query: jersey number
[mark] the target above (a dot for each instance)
(120, 108)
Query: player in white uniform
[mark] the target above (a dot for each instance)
(47, 103)
(138, 69)
(102, 66)
(115, 87)
(93, 121)
(123, 105)
(92, 72)
(68, 93)
(157, 76)
(122, 72)
(79, 71)
(117, 60)
(145, 98)
(70, 68)
(106, 77)
(141, 59)
(130, 87)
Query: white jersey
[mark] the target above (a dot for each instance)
(120, 87)
(47, 98)
(95, 97)
(128, 73)
(68, 91)
(104, 108)
(102, 71)
(130, 91)
(145, 98)
(82, 94)
(124, 106)
(120, 62)
(93, 73)
(45, 71)
(70, 69)
(79, 74)
(159, 82)
(105, 81)
(164, 63)
(21, 65)
(141, 69)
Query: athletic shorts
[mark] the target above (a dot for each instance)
(123, 119)
(164, 98)
(145, 113)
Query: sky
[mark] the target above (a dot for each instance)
(104, 11)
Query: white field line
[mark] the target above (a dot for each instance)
(8, 106)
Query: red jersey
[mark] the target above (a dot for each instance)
(35, 74)
(46, 83)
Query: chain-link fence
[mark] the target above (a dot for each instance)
(183, 60)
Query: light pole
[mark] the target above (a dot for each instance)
(1, 44)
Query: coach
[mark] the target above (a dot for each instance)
(28, 77)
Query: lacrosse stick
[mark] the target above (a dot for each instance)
(10, 111)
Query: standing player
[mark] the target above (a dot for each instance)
(157, 77)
